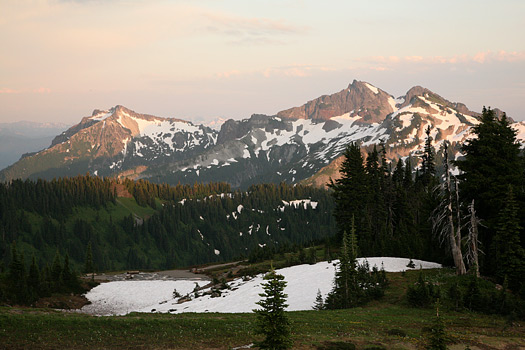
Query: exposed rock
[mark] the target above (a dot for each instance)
(293, 145)
(358, 98)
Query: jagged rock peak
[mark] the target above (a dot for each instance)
(97, 112)
(361, 99)
(419, 91)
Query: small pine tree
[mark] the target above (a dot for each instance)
(347, 292)
(56, 273)
(272, 321)
(319, 302)
(33, 281)
(455, 295)
(473, 298)
(438, 337)
(69, 278)
(17, 278)
(420, 294)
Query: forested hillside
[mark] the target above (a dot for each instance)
(473, 220)
(150, 226)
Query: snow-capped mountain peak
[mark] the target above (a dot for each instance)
(290, 146)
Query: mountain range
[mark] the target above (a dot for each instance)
(291, 146)
(23, 137)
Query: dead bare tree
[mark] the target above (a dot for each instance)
(443, 218)
(472, 241)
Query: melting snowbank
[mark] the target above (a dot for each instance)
(122, 297)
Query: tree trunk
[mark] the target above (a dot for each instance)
(474, 238)
(453, 235)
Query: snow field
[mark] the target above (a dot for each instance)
(303, 281)
(123, 297)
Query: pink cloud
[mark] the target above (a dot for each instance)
(41, 90)
(9, 91)
(229, 74)
(296, 70)
(479, 58)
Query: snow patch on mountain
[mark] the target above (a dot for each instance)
(372, 88)
(305, 203)
(101, 115)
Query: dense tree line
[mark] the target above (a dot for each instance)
(191, 224)
(474, 221)
(23, 285)
(230, 225)
(493, 179)
(146, 192)
(56, 197)
(391, 204)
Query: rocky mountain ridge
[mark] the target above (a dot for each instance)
(290, 146)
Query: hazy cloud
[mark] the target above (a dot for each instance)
(296, 70)
(41, 90)
(9, 91)
(252, 31)
(480, 58)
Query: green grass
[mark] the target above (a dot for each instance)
(388, 323)
(126, 205)
(366, 326)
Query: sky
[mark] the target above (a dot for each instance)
(204, 59)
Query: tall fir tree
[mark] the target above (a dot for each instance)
(17, 278)
(88, 261)
(508, 252)
(272, 321)
(56, 273)
(33, 281)
(347, 291)
(491, 162)
(428, 164)
(350, 191)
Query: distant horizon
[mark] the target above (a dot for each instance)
(72, 120)
(207, 59)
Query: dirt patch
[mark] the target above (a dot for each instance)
(169, 275)
(66, 302)
(182, 274)
(122, 191)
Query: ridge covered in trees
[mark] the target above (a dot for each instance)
(141, 225)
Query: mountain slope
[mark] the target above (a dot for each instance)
(360, 99)
(19, 138)
(111, 141)
(290, 146)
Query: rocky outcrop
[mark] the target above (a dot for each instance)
(359, 98)
(288, 147)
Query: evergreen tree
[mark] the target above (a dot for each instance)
(507, 251)
(56, 273)
(68, 277)
(17, 278)
(319, 302)
(491, 163)
(399, 172)
(88, 262)
(407, 179)
(437, 339)
(33, 281)
(347, 291)
(428, 165)
(272, 321)
(350, 191)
